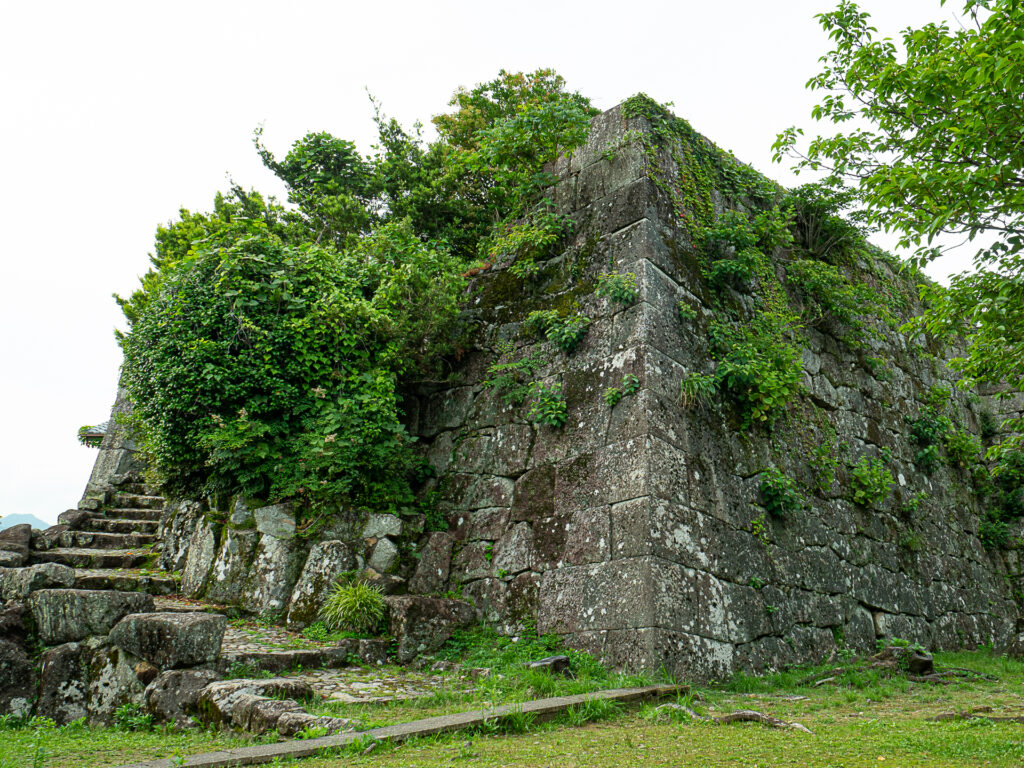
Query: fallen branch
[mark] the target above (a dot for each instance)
(745, 715)
(974, 714)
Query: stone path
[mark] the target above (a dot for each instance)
(542, 709)
(355, 685)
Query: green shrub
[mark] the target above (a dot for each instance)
(514, 380)
(686, 312)
(779, 493)
(357, 606)
(613, 395)
(564, 332)
(618, 288)
(962, 448)
(697, 389)
(993, 532)
(548, 406)
(823, 464)
(987, 424)
(870, 481)
(130, 717)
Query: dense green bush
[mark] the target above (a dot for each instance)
(270, 369)
(870, 481)
(268, 346)
(779, 493)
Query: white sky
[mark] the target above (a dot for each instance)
(114, 115)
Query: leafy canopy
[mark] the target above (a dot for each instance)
(931, 136)
(268, 346)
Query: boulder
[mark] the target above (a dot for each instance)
(291, 723)
(422, 624)
(384, 557)
(435, 564)
(273, 574)
(217, 700)
(50, 538)
(258, 714)
(232, 566)
(387, 583)
(67, 615)
(200, 553)
(16, 541)
(326, 561)
(378, 526)
(146, 672)
(174, 696)
(73, 518)
(17, 670)
(11, 559)
(178, 523)
(171, 640)
(277, 520)
(17, 583)
(89, 679)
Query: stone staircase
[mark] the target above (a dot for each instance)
(110, 548)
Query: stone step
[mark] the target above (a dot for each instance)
(94, 558)
(135, 489)
(132, 513)
(137, 502)
(103, 540)
(119, 525)
(125, 580)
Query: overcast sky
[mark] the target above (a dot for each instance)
(115, 115)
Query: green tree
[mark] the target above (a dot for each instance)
(932, 138)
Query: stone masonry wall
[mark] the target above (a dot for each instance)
(636, 531)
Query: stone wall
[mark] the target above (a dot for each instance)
(117, 462)
(636, 531)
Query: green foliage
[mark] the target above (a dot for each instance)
(548, 405)
(564, 332)
(823, 463)
(356, 606)
(514, 379)
(267, 347)
(686, 312)
(932, 429)
(87, 440)
(831, 300)
(962, 448)
(613, 395)
(697, 389)
(618, 288)
(993, 531)
(779, 493)
(757, 367)
(870, 481)
(130, 717)
(271, 370)
(987, 424)
(934, 149)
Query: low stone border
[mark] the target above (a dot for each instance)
(542, 708)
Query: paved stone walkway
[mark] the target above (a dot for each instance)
(354, 685)
(542, 708)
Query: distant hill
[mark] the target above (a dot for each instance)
(7, 521)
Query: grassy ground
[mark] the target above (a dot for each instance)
(864, 718)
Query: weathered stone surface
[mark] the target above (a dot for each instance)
(217, 701)
(200, 554)
(422, 624)
(66, 615)
(50, 538)
(291, 723)
(556, 665)
(17, 539)
(273, 574)
(171, 640)
(232, 567)
(11, 559)
(73, 518)
(146, 672)
(378, 526)
(435, 564)
(17, 670)
(173, 697)
(86, 679)
(277, 520)
(387, 583)
(384, 557)
(326, 561)
(16, 583)
(258, 714)
(178, 523)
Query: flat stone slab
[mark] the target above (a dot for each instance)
(173, 639)
(541, 708)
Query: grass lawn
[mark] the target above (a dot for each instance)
(860, 719)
